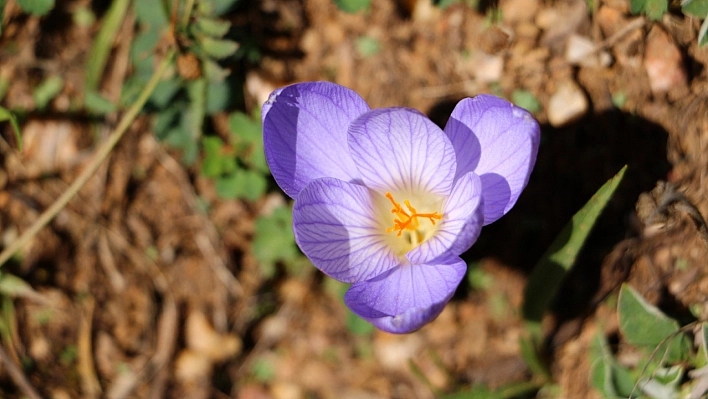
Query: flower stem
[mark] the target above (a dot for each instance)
(101, 154)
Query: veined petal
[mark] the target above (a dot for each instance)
(462, 222)
(499, 141)
(407, 297)
(305, 133)
(334, 224)
(401, 150)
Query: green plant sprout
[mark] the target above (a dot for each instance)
(665, 353)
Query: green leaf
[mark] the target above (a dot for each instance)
(164, 92)
(219, 97)
(526, 100)
(560, 256)
(218, 48)
(243, 184)
(141, 51)
(13, 286)
(215, 28)
(654, 9)
(247, 138)
(214, 72)
(213, 165)
(103, 44)
(697, 8)
(645, 326)
(274, 239)
(358, 326)
(47, 90)
(96, 104)
(36, 7)
(367, 46)
(194, 118)
(703, 33)
(151, 13)
(216, 7)
(704, 341)
(352, 6)
(6, 115)
(606, 375)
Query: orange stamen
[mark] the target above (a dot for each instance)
(406, 221)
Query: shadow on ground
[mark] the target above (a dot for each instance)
(573, 163)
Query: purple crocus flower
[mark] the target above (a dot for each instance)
(386, 200)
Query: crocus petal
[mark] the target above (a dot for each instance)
(400, 149)
(407, 297)
(305, 133)
(462, 222)
(334, 226)
(499, 142)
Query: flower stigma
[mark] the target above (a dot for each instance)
(408, 220)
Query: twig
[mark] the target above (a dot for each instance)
(683, 329)
(663, 201)
(17, 376)
(101, 154)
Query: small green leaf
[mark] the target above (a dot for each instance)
(247, 137)
(213, 165)
(216, 7)
(274, 239)
(218, 48)
(215, 28)
(645, 326)
(526, 100)
(262, 370)
(164, 92)
(367, 46)
(560, 256)
(13, 285)
(96, 104)
(601, 378)
(220, 97)
(697, 8)
(103, 43)
(358, 326)
(703, 33)
(47, 90)
(654, 9)
(704, 340)
(619, 99)
(151, 13)
(244, 184)
(6, 115)
(352, 6)
(214, 72)
(194, 118)
(36, 7)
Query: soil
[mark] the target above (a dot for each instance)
(144, 294)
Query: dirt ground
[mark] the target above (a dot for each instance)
(147, 295)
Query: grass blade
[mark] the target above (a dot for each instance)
(560, 256)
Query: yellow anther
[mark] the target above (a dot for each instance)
(405, 220)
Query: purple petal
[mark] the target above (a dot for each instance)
(407, 297)
(400, 149)
(462, 222)
(335, 226)
(499, 142)
(305, 133)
